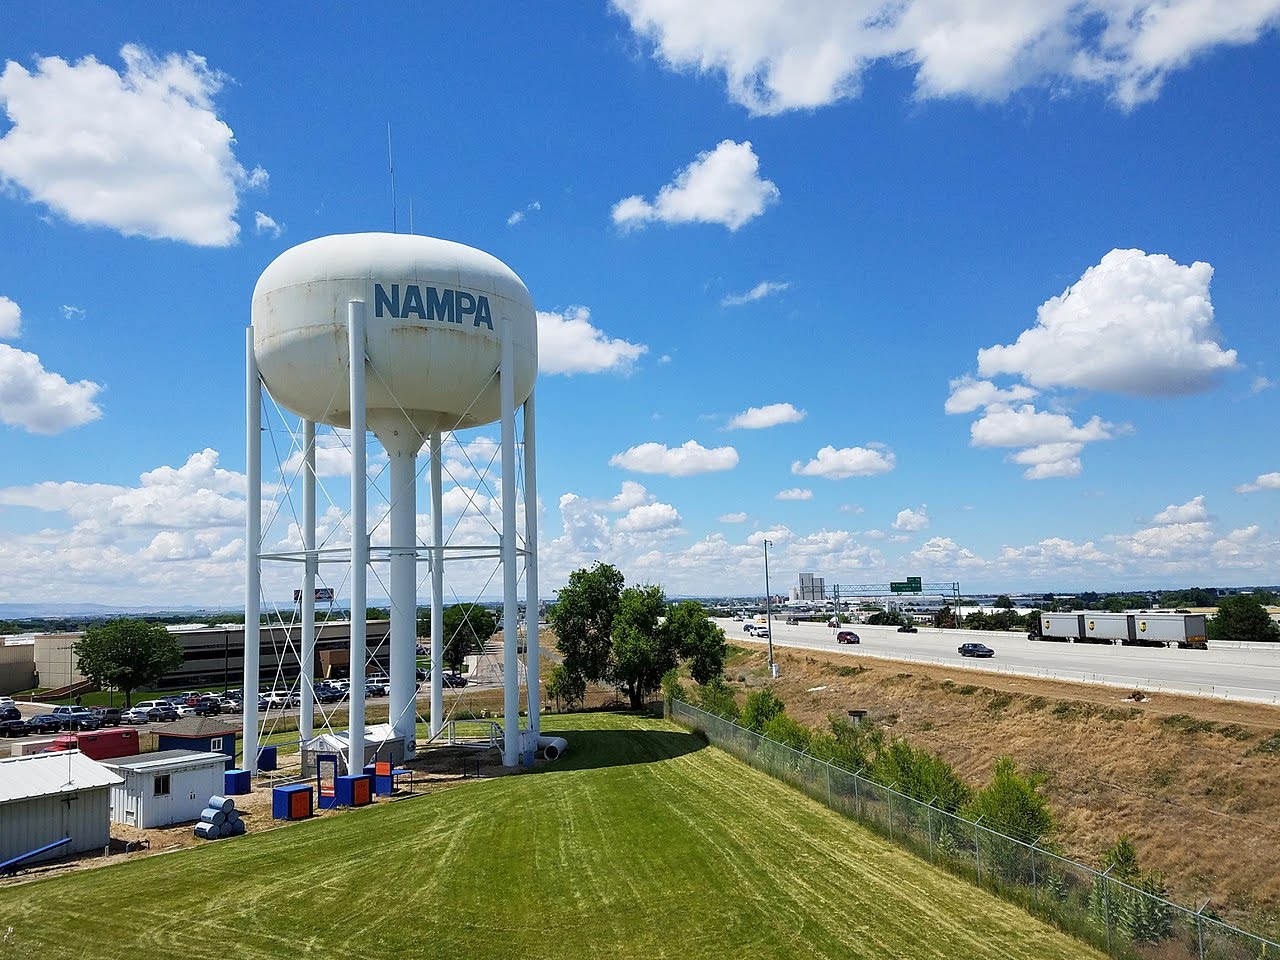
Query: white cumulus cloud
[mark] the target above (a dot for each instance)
(758, 418)
(649, 518)
(266, 225)
(1266, 481)
(140, 151)
(778, 55)
(761, 290)
(1193, 511)
(1135, 323)
(795, 493)
(568, 343)
(720, 186)
(912, 521)
(685, 460)
(846, 462)
(968, 395)
(738, 517)
(40, 401)
(10, 319)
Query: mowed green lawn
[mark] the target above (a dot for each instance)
(641, 842)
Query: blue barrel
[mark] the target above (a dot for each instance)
(233, 816)
(224, 829)
(237, 828)
(225, 804)
(212, 815)
(208, 831)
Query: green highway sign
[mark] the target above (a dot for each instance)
(910, 585)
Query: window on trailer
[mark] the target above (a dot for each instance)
(215, 743)
(162, 785)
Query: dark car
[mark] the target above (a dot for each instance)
(10, 713)
(107, 716)
(454, 680)
(14, 728)
(907, 628)
(167, 712)
(976, 650)
(847, 636)
(44, 723)
(207, 707)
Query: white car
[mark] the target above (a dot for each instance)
(281, 698)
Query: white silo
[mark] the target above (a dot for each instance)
(448, 339)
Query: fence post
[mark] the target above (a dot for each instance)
(1200, 929)
(928, 815)
(1106, 904)
(857, 796)
(1034, 884)
(828, 784)
(977, 848)
(888, 792)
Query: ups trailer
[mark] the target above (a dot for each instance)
(1186, 631)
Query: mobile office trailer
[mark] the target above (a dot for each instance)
(99, 744)
(165, 787)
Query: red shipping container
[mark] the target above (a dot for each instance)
(100, 744)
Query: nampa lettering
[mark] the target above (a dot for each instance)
(430, 303)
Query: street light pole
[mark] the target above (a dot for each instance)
(768, 609)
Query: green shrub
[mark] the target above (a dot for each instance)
(761, 707)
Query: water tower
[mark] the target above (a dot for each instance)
(409, 337)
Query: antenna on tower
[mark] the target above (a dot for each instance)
(391, 171)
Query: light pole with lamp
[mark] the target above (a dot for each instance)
(768, 610)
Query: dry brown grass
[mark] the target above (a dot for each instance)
(1195, 782)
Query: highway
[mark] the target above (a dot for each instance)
(1234, 674)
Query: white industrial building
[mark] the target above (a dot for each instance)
(51, 796)
(169, 786)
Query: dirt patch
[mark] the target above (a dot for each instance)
(1194, 781)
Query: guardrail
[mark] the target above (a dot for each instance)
(1122, 919)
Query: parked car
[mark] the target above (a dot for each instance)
(7, 702)
(164, 709)
(44, 723)
(453, 680)
(10, 713)
(76, 718)
(107, 716)
(207, 705)
(975, 650)
(908, 628)
(847, 636)
(281, 699)
(141, 714)
(14, 728)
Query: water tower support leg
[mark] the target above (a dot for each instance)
(359, 536)
(404, 595)
(437, 590)
(307, 672)
(510, 644)
(252, 547)
(532, 650)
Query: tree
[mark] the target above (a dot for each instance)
(128, 654)
(1012, 804)
(717, 698)
(565, 686)
(1136, 904)
(466, 628)
(1242, 617)
(890, 619)
(782, 729)
(582, 619)
(642, 652)
(696, 637)
(1003, 602)
(761, 706)
(946, 617)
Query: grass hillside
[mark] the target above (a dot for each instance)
(641, 842)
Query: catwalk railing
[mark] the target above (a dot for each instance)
(1122, 919)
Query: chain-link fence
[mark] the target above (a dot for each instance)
(1119, 918)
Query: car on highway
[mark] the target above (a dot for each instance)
(908, 628)
(762, 633)
(793, 621)
(847, 636)
(975, 650)
(44, 723)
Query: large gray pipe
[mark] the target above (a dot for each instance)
(552, 747)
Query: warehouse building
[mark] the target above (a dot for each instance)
(54, 796)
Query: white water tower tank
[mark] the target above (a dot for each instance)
(434, 314)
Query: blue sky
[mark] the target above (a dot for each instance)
(908, 289)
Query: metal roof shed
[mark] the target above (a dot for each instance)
(165, 787)
(46, 797)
